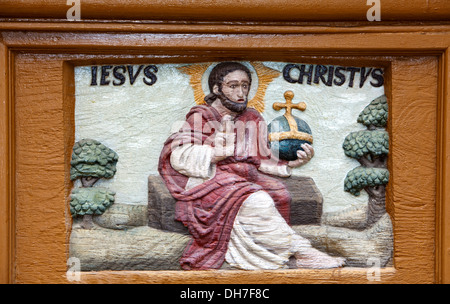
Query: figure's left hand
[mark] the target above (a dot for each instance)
(303, 156)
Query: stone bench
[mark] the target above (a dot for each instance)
(306, 205)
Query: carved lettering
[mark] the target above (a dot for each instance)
(121, 74)
(332, 75)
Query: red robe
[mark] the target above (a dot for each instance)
(209, 210)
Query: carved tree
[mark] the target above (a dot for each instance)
(91, 160)
(87, 202)
(370, 147)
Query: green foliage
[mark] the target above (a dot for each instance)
(93, 201)
(361, 177)
(358, 144)
(368, 146)
(375, 114)
(92, 158)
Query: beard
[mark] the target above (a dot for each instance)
(231, 105)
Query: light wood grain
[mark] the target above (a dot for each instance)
(377, 44)
(6, 215)
(41, 197)
(443, 194)
(42, 153)
(42, 123)
(246, 10)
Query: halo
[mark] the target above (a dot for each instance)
(261, 77)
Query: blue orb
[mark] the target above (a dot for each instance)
(287, 148)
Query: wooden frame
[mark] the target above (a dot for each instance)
(37, 100)
(246, 10)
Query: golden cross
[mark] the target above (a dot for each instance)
(293, 132)
(288, 105)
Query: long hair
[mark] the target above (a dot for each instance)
(217, 75)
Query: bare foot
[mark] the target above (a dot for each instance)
(313, 258)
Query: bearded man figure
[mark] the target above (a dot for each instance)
(218, 168)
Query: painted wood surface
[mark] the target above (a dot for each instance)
(39, 115)
(247, 10)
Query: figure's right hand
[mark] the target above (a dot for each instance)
(224, 141)
(223, 146)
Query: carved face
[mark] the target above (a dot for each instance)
(236, 86)
(234, 91)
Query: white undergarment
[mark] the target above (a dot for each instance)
(261, 238)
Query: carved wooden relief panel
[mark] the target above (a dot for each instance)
(230, 165)
(264, 151)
